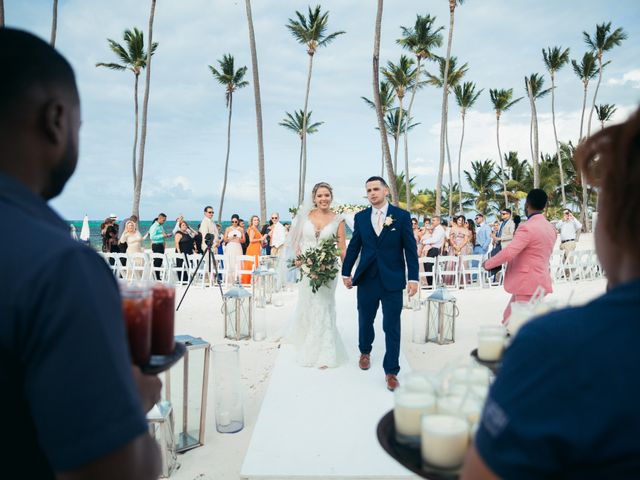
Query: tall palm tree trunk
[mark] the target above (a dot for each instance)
(555, 136)
(450, 169)
(460, 162)
(406, 137)
(226, 161)
(391, 180)
(584, 106)
(145, 110)
(595, 94)
(584, 217)
(382, 165)
(258, 102)
(300, 171)
(304, 134)
(533, 137)
(397, 136)
(54, 23)
(443, 120)
(135, 130)
(504, 183)
(1, 13)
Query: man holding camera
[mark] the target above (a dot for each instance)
(568, 228)
(208, 227)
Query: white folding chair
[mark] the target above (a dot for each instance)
(425, 275)
(471, 270)
(572, 266)
(556, 267)
(161, 271)
(246, 266)
(136, 268)
(585, 269)
(112, 261)
(448, 267)
(120, 265)
(177, 269)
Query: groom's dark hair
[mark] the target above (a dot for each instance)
(377, 179)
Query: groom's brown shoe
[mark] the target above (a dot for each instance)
(392, 381)
(365, 361)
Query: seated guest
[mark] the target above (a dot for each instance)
(565, 402)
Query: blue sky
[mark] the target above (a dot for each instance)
(186, 140)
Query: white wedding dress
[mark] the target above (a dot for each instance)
(313, 329)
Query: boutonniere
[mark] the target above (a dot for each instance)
(388, 221)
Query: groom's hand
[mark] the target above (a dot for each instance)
(347, 282)
(412, 288)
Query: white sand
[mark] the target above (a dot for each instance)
(222, 455)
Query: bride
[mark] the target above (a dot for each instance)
(313, 330)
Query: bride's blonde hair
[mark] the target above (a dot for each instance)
(317, 187)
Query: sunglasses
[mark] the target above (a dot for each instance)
(209, 211)
(234, 221)
(274, 218)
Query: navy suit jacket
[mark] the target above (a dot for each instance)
(389, 251)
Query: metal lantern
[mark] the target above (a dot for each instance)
(238, 313)
(160, 419)
(442, 312)
(263, 286)
(190, 401)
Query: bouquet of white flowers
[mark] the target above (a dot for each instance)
(319, 264)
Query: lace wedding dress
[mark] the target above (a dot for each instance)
(313, 330)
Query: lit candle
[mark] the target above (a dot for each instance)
(408, 410)
(444, 440)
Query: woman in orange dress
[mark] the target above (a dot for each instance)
(255, 245)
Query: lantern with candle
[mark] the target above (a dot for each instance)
(441, 312)
(238, 313)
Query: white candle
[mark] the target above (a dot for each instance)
(224, 419)
(444, 440)
(490, 347)
(408, 410)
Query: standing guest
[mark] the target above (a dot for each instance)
(433, 244)
(123, 244)
(266, 248)
(483, 236)
(110, 236)
(131, 242)
(233, 237)
(458, 241)
(538, 420)
(245, 239)
(516, 221)
(277, 234)
(417, 233)
(208, 227)
(471, 228)
(255, 240)
(176, 227)
(157, 235)
(185, 245)
(568, 229)
(528, 255)
(75, 405)
(505, 232)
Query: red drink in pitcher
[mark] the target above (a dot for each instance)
(163, 319)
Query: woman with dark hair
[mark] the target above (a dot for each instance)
(565, 402)
(233, 237)
(185, 245)
(471, 227)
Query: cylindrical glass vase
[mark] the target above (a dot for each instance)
(227, 390)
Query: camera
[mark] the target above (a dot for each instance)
(208, 239)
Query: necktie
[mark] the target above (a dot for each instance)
(378, 222)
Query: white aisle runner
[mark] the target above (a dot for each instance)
(322, 423)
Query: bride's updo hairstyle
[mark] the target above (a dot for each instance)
(317, 187)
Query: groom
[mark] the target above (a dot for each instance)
(383, 238)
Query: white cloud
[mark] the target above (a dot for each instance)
(631, 77)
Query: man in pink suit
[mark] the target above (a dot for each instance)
(528, 254)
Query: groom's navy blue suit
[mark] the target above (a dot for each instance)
(381, 276)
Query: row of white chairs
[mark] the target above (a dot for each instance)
(172, 267)
(576, 266)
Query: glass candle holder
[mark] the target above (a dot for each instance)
(136, 309)
(163, 319)
(228, 407)
(491, 339)
(444, 441)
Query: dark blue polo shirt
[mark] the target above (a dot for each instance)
(67, 395)
(566, 403)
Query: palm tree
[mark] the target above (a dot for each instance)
(502, 101)
(1, 13)
(420, 39)
(483, 181)
(132, 57)
(445, 92)
(454, 77)
(296, 123)
(533, 85)
(466, 97)
(54, 23)
(605, 112)
(555, 58)
(586, 70)
(402, 77)
(145, 110)
(310, 31)
(387, 98)
(258, 102)
(232, 80)
(602, 41)
(396, 122)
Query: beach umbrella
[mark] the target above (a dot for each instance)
(85, 233)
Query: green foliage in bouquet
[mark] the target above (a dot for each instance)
(319, 264)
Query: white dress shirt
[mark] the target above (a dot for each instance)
(208, 226)
(279, 235)
(568, 229)
(381, 214)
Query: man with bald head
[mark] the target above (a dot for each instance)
(74, 406)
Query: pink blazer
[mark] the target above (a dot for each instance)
(528, 257)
